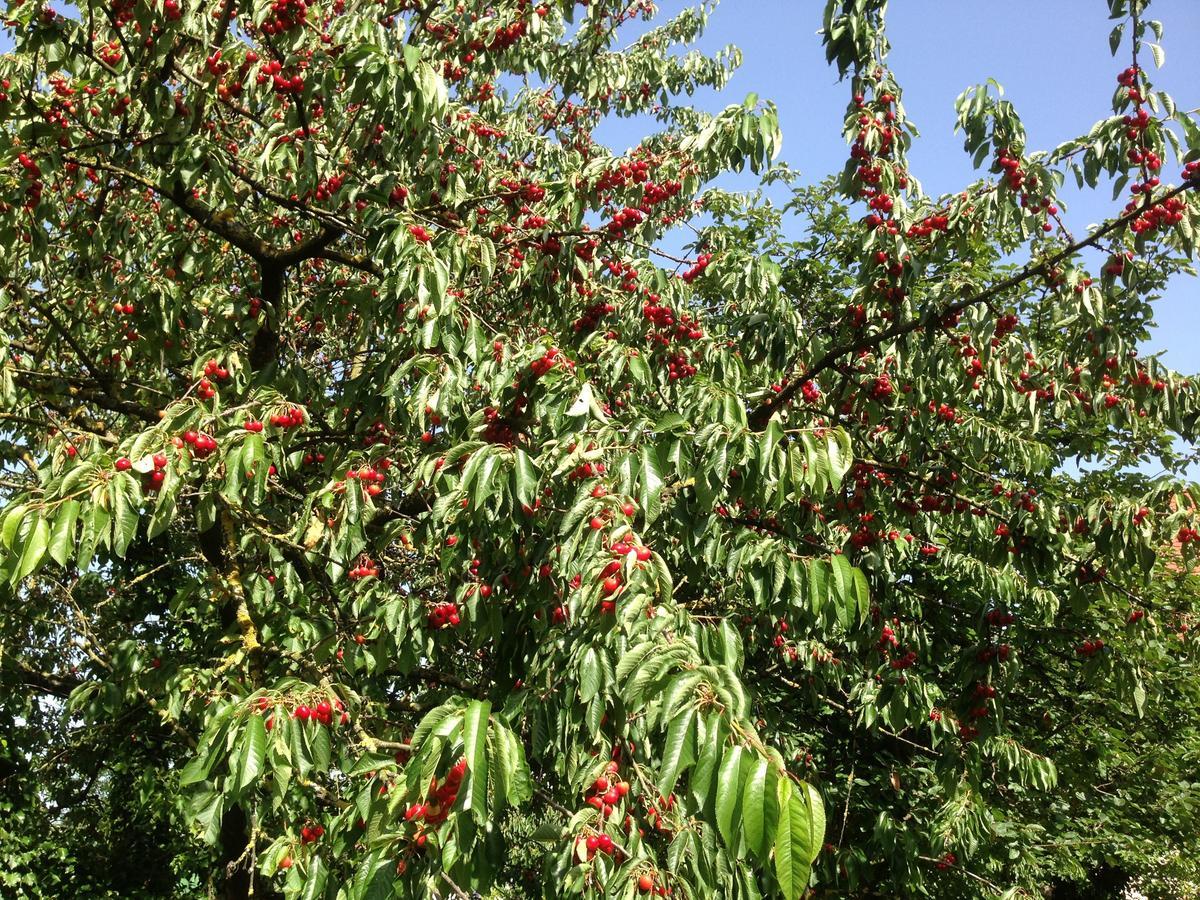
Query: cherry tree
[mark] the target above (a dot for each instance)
(393, 509)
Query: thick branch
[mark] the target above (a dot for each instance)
(762, 414)
(80, 392)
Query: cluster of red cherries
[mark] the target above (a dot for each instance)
(287, 14)
(365, 568)
(697, 268)
(206, 390)
(548, 361)
(440, 799)
(444, 615)
(625, 220)
(203, 445)
(155, 477)
(282, 84)
(371, 477)
(33, 193)
(322, 713)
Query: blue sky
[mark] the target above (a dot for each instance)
(1051, 57)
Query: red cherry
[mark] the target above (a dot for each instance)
(597, 523)
(123, 464)
(645, 884)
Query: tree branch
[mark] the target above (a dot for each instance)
(762, 414)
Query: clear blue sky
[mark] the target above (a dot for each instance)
(1051, 57)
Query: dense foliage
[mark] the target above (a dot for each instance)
(389, 510)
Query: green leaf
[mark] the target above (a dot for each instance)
(36, 542)
(13, 517)
(499, 767)
(678, 750)
(520, 780)
(792, 865)
(301, 756)
(837, 448)
(253, 751)
(373, 877)
(474, 732)
(62, 540)
(165, 506)
(710, 741)
(525, 478)
(1139, 698)
(651, 483)
(729, 796)
(754, 811)
(124, 512)
(320, 744)
(206, 809)
(589, 675)
(632, 661)
(798, 836)
(316, 875)
(211, 749)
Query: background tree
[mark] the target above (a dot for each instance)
(391, 510)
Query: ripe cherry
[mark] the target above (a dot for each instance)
(123, 464)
